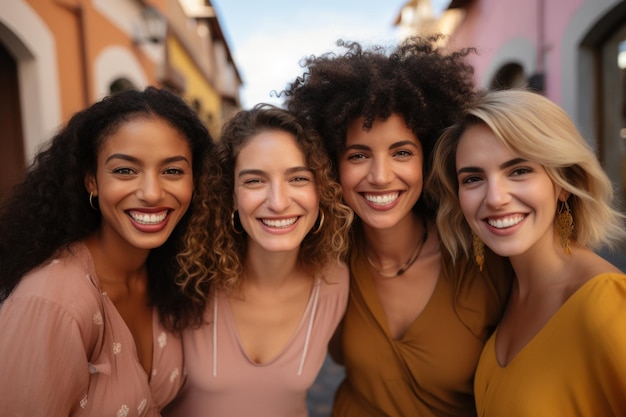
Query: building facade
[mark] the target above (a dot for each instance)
(572, 51)
(59, 56)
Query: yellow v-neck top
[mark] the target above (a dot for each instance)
(574, 366)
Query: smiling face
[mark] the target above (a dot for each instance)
(381, 171)
(143, 182)
(275, 192)
(509, 202)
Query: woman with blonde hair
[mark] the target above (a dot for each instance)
(265, 259)
(516, 176)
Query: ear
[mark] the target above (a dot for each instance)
(91, 185)
(564, 195)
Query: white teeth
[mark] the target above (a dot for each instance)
(148, 218)
(382, 199)
(279, 224)
(506, 222)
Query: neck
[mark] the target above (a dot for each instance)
(114, 263)
(541, 267)
(388, 257)
(274, 269)
(393, 243)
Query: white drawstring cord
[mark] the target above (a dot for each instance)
(310, 328)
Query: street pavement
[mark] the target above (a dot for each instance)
(320, 395)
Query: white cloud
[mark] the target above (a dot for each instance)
(270, 60)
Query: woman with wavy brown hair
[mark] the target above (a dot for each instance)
(265, 258)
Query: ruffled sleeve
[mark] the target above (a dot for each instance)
(604, 335)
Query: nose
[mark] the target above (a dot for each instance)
(278, 197)
(380, 171)
(497, 193)
(150, 189)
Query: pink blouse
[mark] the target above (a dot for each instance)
(222, 381)
(66, 351)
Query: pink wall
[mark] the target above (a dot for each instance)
(490, 24)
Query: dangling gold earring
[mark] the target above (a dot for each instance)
(320, 219)
(565, 226)
(91, 201)
(234, 225)
(479, 251)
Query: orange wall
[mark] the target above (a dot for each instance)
(81, 33)
(64, 26)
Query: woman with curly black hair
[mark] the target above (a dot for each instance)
(90, 306)
(267, 261)
(417, 319)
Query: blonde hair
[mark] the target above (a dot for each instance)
(538, 130)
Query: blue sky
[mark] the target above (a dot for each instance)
(268, 38)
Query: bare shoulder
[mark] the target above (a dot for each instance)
(589, 264)
(335, 271)
(585, 266)
(336, 276)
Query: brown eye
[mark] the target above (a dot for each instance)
(521, 171)
(174, 171)
(123, 171)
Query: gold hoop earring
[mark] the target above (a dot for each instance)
(565, 226)
(479, 251)
(234, 221)
(91, 201)
(320, 219)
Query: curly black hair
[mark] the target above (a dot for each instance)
(50, 209)
(417, 79)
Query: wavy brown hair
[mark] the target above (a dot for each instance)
(215, 251)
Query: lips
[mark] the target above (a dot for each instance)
(381, 199)
(279, 223)
(148, 218)
(505, 222)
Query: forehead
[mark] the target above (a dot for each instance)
(479, 142)
(270, 147)
(145, 136)
(392, 129)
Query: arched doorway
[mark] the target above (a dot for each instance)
(121, 84)
(613, 115)
(12, 159)
(509, 75)
(605, 44)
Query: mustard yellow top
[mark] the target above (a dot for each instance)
(574, 366)
(429, 371)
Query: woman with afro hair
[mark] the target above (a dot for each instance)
(90, 309)
(417, 319)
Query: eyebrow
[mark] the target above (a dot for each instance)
(135, 160)
(292, 170)
(503, 165)
(393, 145)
